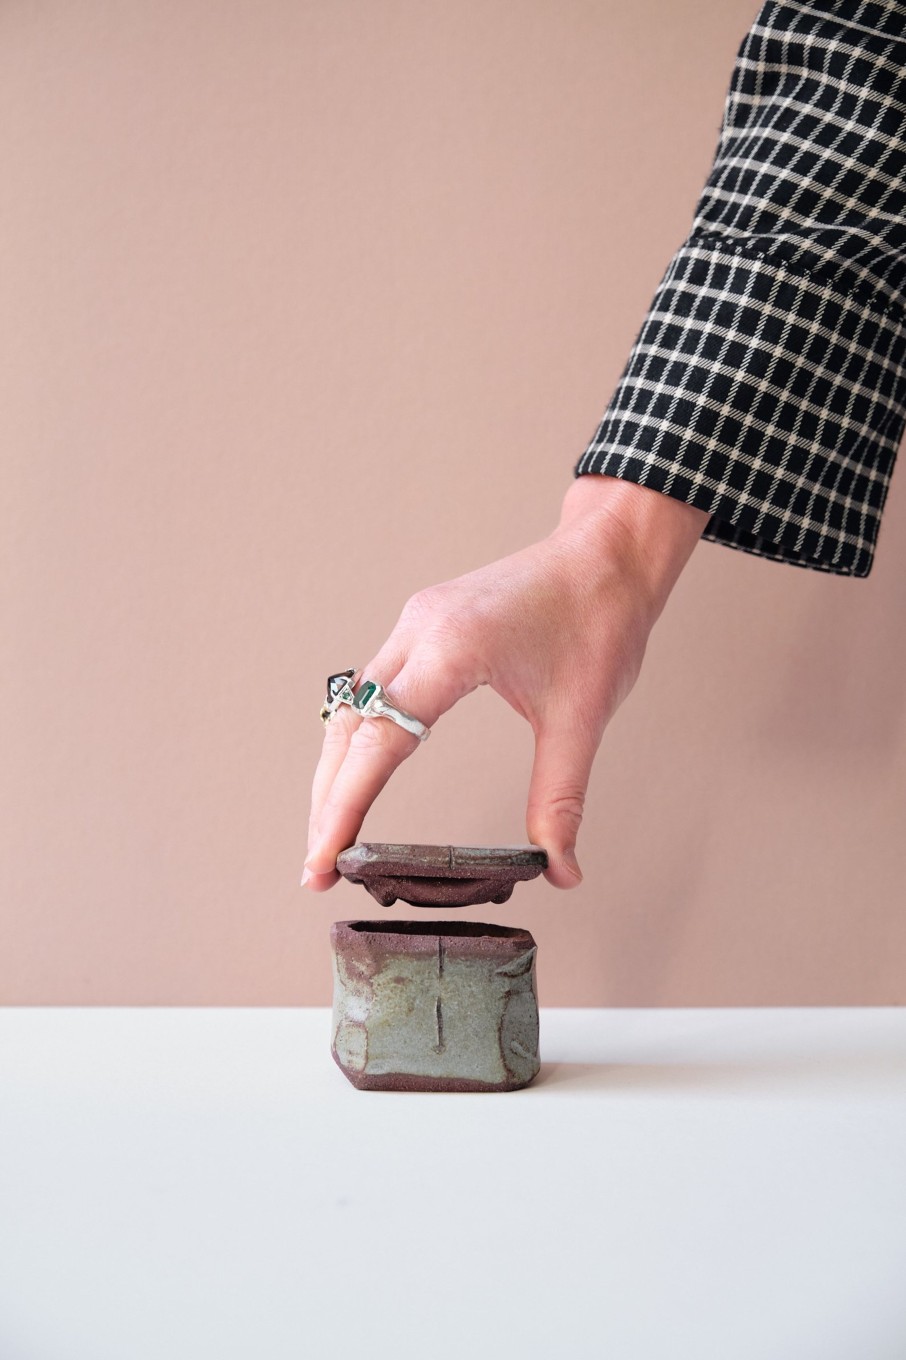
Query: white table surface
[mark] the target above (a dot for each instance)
(699, 1183)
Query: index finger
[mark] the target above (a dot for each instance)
(376, 748)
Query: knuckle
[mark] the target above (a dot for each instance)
(421, 606)
(336, 809)
(566, 805)
(447, 643)
(373, 736)
(445, 639)
(441, 674)
(428, 659)
(445, 635)
(337, 731)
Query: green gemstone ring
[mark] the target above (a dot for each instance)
(370, 702)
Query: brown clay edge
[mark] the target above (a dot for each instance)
(403, 1081)
(367, 949)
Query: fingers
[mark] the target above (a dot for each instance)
(375, 748)
(383, 668)
(337, 736)
(564, 753)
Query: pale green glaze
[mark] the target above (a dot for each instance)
(433, 1016)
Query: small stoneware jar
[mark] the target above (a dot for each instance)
(434, 1005)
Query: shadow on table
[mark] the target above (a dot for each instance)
(878, 1071)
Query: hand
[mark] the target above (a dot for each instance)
(558, 629)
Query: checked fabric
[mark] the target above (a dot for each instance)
(767, 385)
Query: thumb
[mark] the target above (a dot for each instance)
(564, 753)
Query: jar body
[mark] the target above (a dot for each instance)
(434, 1005)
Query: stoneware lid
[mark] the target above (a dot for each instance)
(440, 875)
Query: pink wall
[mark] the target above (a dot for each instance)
(308, 305)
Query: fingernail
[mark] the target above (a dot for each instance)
(572, 864)
(306, 875)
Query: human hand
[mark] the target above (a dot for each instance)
(558, 629)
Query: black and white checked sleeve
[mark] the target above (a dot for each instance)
(767, 384)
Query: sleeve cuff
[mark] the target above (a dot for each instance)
(771, 396)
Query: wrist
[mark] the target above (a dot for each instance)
(647, 533)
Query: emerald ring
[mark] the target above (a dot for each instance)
(370, 702)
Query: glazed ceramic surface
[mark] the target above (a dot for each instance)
(434, 1005)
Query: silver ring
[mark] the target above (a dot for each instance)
(370, 701)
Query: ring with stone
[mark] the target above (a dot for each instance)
(370, 701)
